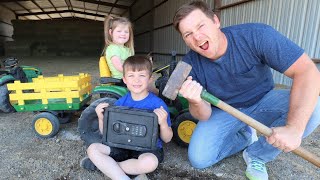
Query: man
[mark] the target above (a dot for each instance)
(233, 63)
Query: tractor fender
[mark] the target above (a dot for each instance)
(88, 126)
(110, 88)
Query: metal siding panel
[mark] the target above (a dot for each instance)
(156, 2)
(226, 2)
(302, 28)
(164, 13)
(167, 40)
(142, 43)
(161, 59)
(311, 28)
(143, 24)
(140, 7)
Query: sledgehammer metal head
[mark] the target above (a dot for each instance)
(178, 76)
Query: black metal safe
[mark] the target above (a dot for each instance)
(130, 128)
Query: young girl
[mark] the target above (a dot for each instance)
(118, 43)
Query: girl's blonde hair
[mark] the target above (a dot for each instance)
(111, 22)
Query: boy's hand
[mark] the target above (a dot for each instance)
(100, 109)
(162, 115)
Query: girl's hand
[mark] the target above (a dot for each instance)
(162, 115)
(100, 109)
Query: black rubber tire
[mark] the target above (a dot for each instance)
(54, 121)
(88, 126)
(64, 117)
(186, 116)
(5, 105)
(110, 95)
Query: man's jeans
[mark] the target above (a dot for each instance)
(223, 135)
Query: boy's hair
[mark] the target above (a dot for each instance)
(187, 8)
(137, 63)
(111, 22)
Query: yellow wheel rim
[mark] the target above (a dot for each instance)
(185, 130)
(43, 126)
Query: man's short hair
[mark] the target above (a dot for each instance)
(137, 63)
(187, 8)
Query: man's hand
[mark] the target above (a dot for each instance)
(285, 138)
(162, 115)
(191, 90)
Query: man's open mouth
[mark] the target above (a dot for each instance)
(204, 45)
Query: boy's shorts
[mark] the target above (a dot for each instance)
(119, 154)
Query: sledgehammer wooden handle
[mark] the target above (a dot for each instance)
(180, 74)
(312, 158)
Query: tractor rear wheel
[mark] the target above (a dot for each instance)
(88, 125)
(45, 125)
(183, 127)
(110, 95)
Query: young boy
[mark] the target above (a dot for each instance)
(116, 163)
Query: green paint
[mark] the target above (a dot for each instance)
(53, 104)
(209, 98)
(110, 88)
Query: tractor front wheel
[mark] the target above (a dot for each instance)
(45, 125)
(183, 127)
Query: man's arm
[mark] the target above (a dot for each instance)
(303, 99)
(199, 108)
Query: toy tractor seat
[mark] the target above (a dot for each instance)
(105, 74)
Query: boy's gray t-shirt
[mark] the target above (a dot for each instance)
(242, 76)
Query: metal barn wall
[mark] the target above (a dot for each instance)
(141, 17)
(6, 28)
(298, 20)
(167, 39)
(154, 31)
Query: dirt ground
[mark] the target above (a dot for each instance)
(24, 156)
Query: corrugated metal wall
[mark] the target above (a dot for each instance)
(153, 31)
(6, 28)
(299, 20)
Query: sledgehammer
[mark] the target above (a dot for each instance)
(175, 82)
